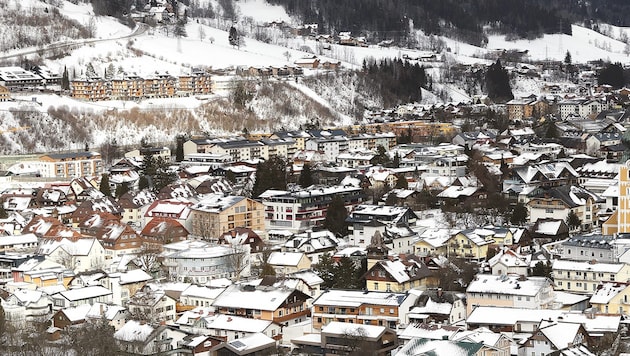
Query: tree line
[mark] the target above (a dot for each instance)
(462, 19)
(395, 80)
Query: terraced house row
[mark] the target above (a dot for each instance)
(134, 87)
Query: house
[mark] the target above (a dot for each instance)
(523, 180)
(288, 262)
(80, 296)
(35, 303)
(389, 215)
(399, 275)
(307, 62)
(422, 346)
(300, 210)
(493, 343)
(152, 304)
(584, 277)
(155, 152)
(90, 206)
(509, 291)
(312, 243)
(216, 214)
(588, 248)
(471, 243)
(80, 255)
(612, 298)
(164, 231)
(139, 338)
(71, 316)
(469, 139)
(197, 296)
(437, 305)
(510, 262)
(522, 320)
(170, 208)
(553, 336)
(255, 344)
(550, 229)
(179, 190)
(125, 284)
(15, 243)
(42, 273)
(201, 261)
(135, 205)
(368, 308)
(280, 305)
(69, 165)
(243, 236)
(227, 327)
(346, 338)
(433, 242)
(559, 202)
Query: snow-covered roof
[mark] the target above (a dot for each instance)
(84, 293)
(11, 240)
(77, 313)
(607, 291)
(588, 266)
(341, 329)
(134, 276)
(507, 284)
(285, 258)
(216, 203)
(252, 298)
(345, 298)
(252, 342)
(429, 331)
(236, 323)
(202, 292)
(133, 331)
(432, 307)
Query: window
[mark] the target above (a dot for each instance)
(375, 286)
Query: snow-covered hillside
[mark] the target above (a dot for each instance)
(146, 50)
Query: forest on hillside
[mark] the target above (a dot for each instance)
(462, 19)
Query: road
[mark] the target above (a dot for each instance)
(140, 29)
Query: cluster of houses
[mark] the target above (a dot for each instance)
(180, 269)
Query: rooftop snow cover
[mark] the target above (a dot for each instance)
(420, 346)
(484, 283)
(339, 328)
(133, 331)
(202, 292)
(429, 331)
(85, 293)
(134, 276)
(236, 323)
(216, 203)
(357, 298)
(607, 291)
(285, 258)
(251, 342)
(565, 265)
(77, 313)
(258, 298)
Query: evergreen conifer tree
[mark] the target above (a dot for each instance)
(104, 187)
(336, 216)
